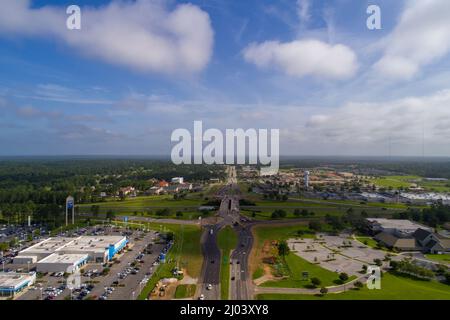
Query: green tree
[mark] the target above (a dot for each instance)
(316, 281)
(279, 213)
(110, 215)
(315, 226)
(95, 210)
(378, 262)
(343, 276)
(283, 248)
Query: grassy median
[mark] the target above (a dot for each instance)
(227, 240)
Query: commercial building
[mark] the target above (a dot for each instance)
(179, 180)
(63, 254)
(11, 282)
(432, 242)
(394, 242)
(58, 262)
(420, 240)
(396, 227)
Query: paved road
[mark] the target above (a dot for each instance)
(241, 285)
(211, 264)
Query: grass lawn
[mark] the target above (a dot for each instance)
(296, 266)
(406, 181)
(439, 257)
(227, 240)
(144, 203)
(185, 291)
(259, 272)
(264, 208)
(264, 234)
(186, 252)
(393, 287)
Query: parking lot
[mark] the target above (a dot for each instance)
(336, 253)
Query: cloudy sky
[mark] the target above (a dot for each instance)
(137, 70)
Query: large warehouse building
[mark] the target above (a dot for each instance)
(69, 254)
(11, 283)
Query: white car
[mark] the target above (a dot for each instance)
(202, 297)
(209, 286)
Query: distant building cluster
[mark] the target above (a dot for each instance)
(160, 187)
(175, 186)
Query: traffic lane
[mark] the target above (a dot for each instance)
(211, 293)
(211, 264)
(212, 258)
(240, 263)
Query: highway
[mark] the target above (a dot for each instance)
(240, 283)
(240, 286)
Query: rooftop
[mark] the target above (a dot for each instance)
(13, 279)
(64, 258)
(92, 243)
(48, 245)
(398, 224)
(83, 243)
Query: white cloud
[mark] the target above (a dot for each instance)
(303, 7)
(143, 34)
(421, 37)
(302, 58)
(369, 126)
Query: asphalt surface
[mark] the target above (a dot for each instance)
(240, 287)
(211, 264)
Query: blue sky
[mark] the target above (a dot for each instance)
(137, 70)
